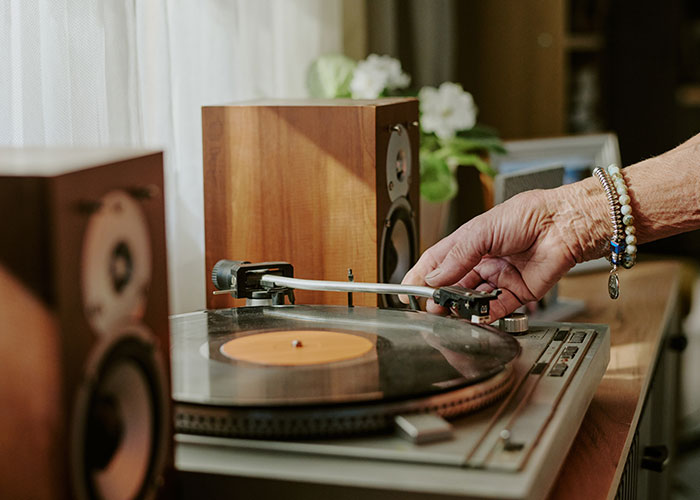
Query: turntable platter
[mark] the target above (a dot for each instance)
(396, 354)
(365, 366)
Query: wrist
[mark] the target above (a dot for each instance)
(580, 212)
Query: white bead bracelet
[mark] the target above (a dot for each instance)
(623, 248)
(630, 244)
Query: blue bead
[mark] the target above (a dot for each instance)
(617, 247)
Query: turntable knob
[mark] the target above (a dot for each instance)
(515, 323)
(222, 274)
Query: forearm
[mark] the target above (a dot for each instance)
(665, 194)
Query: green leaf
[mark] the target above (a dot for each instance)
(437, 181)
(429, 141)
(329, 76)
(471, 159)
(464, 145)
(410, 92)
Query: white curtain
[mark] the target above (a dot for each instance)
(136, 72)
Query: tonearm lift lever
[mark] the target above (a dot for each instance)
(273, 281)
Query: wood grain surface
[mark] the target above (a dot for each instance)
(302, 182)
(648, 298)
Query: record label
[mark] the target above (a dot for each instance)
(297, 347)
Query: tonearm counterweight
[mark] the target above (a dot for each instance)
(274, 281)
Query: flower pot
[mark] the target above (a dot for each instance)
(474, 197)
(433, 222)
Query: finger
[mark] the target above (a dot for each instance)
(505, 304)
(464, 254)
(415, 275)
(426, 264)
(471, 280)
(502, 274)
(434, 308)
(485, 287)
(428, 261)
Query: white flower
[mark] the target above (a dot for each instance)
(376, 74)
(367, 84)
(446, 110)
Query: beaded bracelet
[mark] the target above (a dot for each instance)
(630, 246)
(623, 249)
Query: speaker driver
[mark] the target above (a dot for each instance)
(399, 247)
(121, 421)
(116, 263)
(398, 163)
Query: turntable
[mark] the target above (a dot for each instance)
(304, 401)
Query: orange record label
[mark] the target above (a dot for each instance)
(297, 347)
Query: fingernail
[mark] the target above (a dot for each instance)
(433, 274)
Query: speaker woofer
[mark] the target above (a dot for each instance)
(121, 421)
(399, 248)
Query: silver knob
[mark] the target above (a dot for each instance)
(515, 323)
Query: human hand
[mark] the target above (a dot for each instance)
(522, 246)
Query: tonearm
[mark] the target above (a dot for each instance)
(273, 281)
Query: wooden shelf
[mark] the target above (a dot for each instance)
(638, 321)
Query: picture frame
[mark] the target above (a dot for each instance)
(578, 154)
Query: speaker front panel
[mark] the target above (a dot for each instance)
(112, 291)
(398, 179)
(398, 249)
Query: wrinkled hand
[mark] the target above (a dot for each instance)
(518, 246)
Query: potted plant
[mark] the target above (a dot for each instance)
(450, 137)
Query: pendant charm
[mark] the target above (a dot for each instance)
(613, 285)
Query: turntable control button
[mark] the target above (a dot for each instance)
(577, 337)
(570, 351)
(561, 334)
(558, 370)
(423, 428)
(538, 368)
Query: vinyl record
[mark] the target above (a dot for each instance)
(354, 355)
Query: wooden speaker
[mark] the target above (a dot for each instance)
(325, 185)
(84, 307)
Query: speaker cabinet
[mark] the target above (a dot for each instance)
(84, 398)
(325, 185)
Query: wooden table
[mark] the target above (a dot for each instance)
(638, 321)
